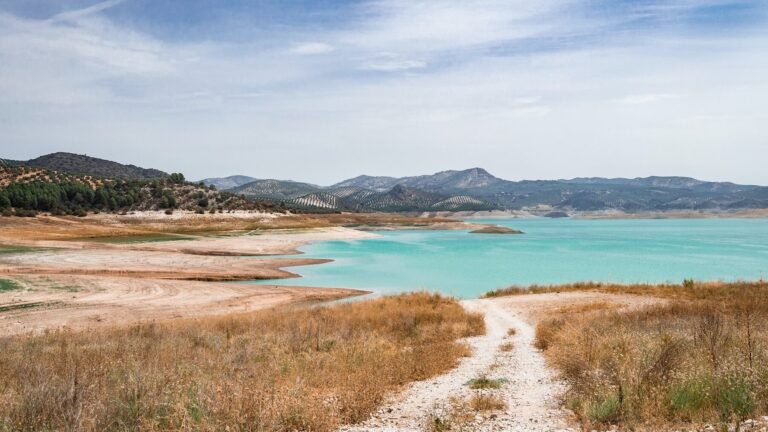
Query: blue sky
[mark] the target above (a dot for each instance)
(324, 90)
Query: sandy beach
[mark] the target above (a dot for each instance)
(92, 284)
(111, 269)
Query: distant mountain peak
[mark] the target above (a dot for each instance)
(471, 178)
(230, 182)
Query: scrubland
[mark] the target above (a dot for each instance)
(699, 358)
(287, 369)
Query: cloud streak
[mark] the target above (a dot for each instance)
(400, 87)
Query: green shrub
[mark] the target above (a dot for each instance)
(8, 285)
(484, 382)
(690, 397)
(607, 410)
(735, 399)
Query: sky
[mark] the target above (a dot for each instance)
(324, 90)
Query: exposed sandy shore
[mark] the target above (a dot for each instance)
(81, 302)
(89, 284)
(78, 274)
(607, 214)
(206, 259)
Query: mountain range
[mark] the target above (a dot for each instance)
(476, 189)
(471, 189)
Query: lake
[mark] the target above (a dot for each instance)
(551, 251)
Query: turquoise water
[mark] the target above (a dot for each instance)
(552, 251)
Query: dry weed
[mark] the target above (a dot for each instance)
(301, 369)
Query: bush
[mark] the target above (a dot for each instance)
(606, 411)
(24, 213)
(690, 397)
(177, 178)
(735, 399)
(484, 382)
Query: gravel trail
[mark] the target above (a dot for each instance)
(529, 390)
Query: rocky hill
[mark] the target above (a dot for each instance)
(71, 163)
(24, 191)
(442, 182)
(277, 190)
(230, 182)
(354, 198)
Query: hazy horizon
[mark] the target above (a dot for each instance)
(324, 91)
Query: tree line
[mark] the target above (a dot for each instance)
(72, 197)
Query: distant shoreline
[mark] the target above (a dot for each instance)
(605, 214)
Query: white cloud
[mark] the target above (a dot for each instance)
(77, 14)
(109, 90)
(393, 64)
(311, 48)
(647, 98)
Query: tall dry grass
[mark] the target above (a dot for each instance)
(688, 290)
(702, 358)
(307, 369)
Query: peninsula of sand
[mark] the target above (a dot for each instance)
(110, 269)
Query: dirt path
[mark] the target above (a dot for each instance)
(528, 387)
(530, 392)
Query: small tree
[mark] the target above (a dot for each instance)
(177, 178)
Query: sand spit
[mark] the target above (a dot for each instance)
(115, 269)
(495, 230)
(80, 302)
(82, 283)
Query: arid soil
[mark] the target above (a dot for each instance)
(78, 302)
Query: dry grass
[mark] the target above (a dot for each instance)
(688, 290)
(486, 402)
(304, 369)
(507, 347)
(459, 414)
(702, 358)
